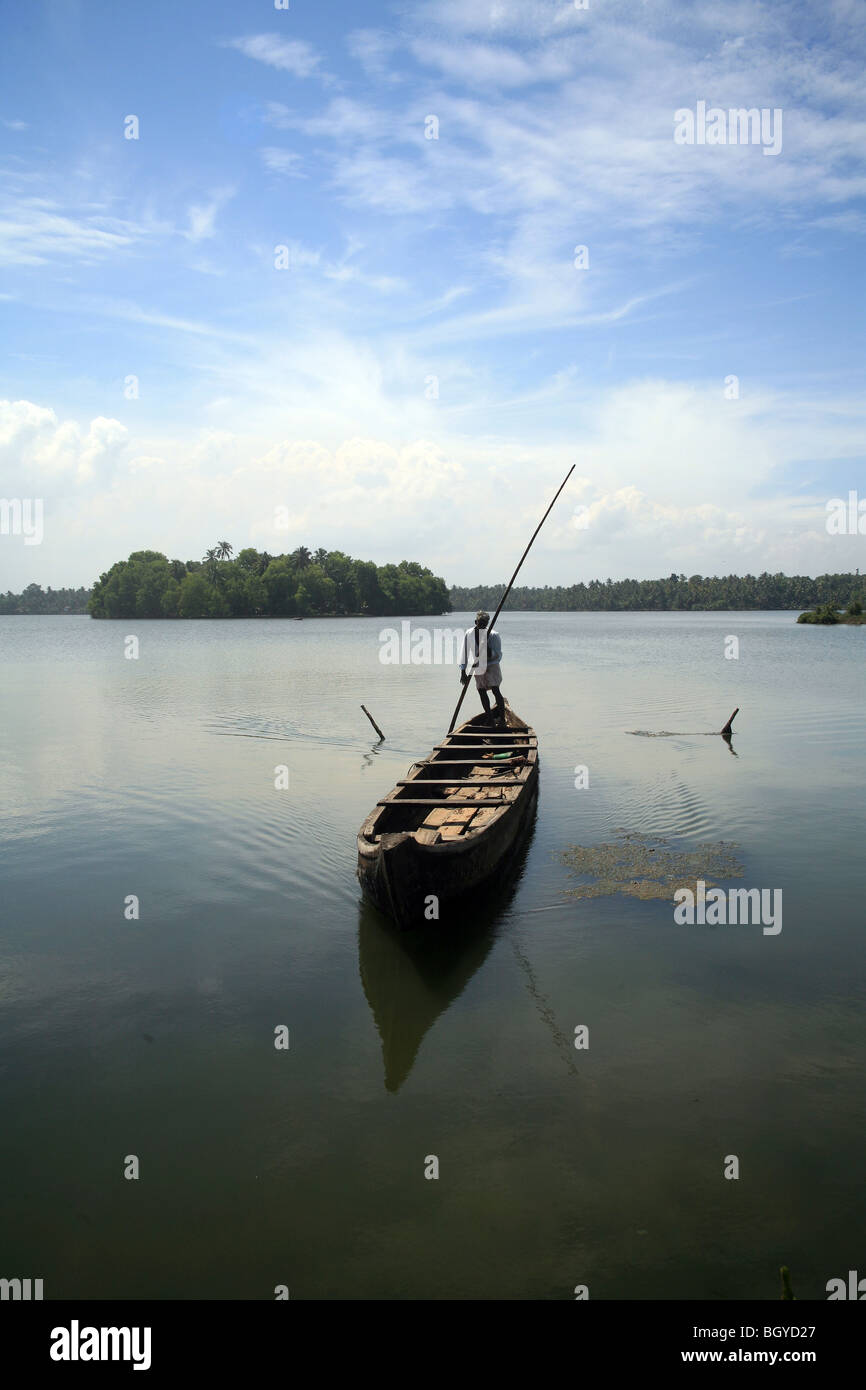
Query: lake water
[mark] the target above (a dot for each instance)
(306, 1166)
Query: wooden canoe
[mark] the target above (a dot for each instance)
(448, 826)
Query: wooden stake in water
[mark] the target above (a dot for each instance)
(373, 722)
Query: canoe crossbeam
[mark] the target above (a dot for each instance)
(483, 747)
(462, 782)
(466, 762)
(480, 803)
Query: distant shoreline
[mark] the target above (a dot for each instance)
(843, 619)
(257, 585)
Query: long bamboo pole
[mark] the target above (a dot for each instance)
(508, 590)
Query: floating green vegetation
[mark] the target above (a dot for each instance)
(645, 866)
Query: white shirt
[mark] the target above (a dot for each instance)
(488, 651)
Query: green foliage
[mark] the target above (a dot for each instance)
(170, 598)
(257, 585)
(36, 600)
(280, 582)
(316, 593)
(826, 615)
(195, 594)
(699, 593)
(787, 1293)
(249, 560)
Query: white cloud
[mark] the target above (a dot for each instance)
(282, 161)
(288, 55)
(201, 217)
(599, 146)
(343, 119)
(129, 312)
(201, 222)
(375, 49)
(38, 450)
(33, 231)
(495, 66)
(670, 478)
(501, 18)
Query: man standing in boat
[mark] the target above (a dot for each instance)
(482, 652)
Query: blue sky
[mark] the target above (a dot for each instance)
(310, 390)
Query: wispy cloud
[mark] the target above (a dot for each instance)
(345, 272)
(279, 161)
(343, 119)
(202, 216)
(130, 312)
(34, 231)
(288, 55)
(375, 50)
(494, 65)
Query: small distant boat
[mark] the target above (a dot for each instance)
(447, 827)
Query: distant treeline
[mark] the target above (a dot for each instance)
(35, 599)
(676, 592)
(257, 585)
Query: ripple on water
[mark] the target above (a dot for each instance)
(668, 806)
(276, 730)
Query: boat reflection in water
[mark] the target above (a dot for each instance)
(411, 977)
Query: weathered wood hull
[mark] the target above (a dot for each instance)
(416, 882)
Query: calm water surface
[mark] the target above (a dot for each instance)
(154, 1037)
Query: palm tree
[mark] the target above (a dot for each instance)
(300, 558)
(210, 560)
(224, 550)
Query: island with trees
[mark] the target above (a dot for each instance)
(254, 584)
(827, 615)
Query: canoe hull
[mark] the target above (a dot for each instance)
(400, 877)
(400, 874)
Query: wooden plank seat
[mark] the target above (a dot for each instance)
(447, 823)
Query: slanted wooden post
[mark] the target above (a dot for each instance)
(373, 722)
(726, 731)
